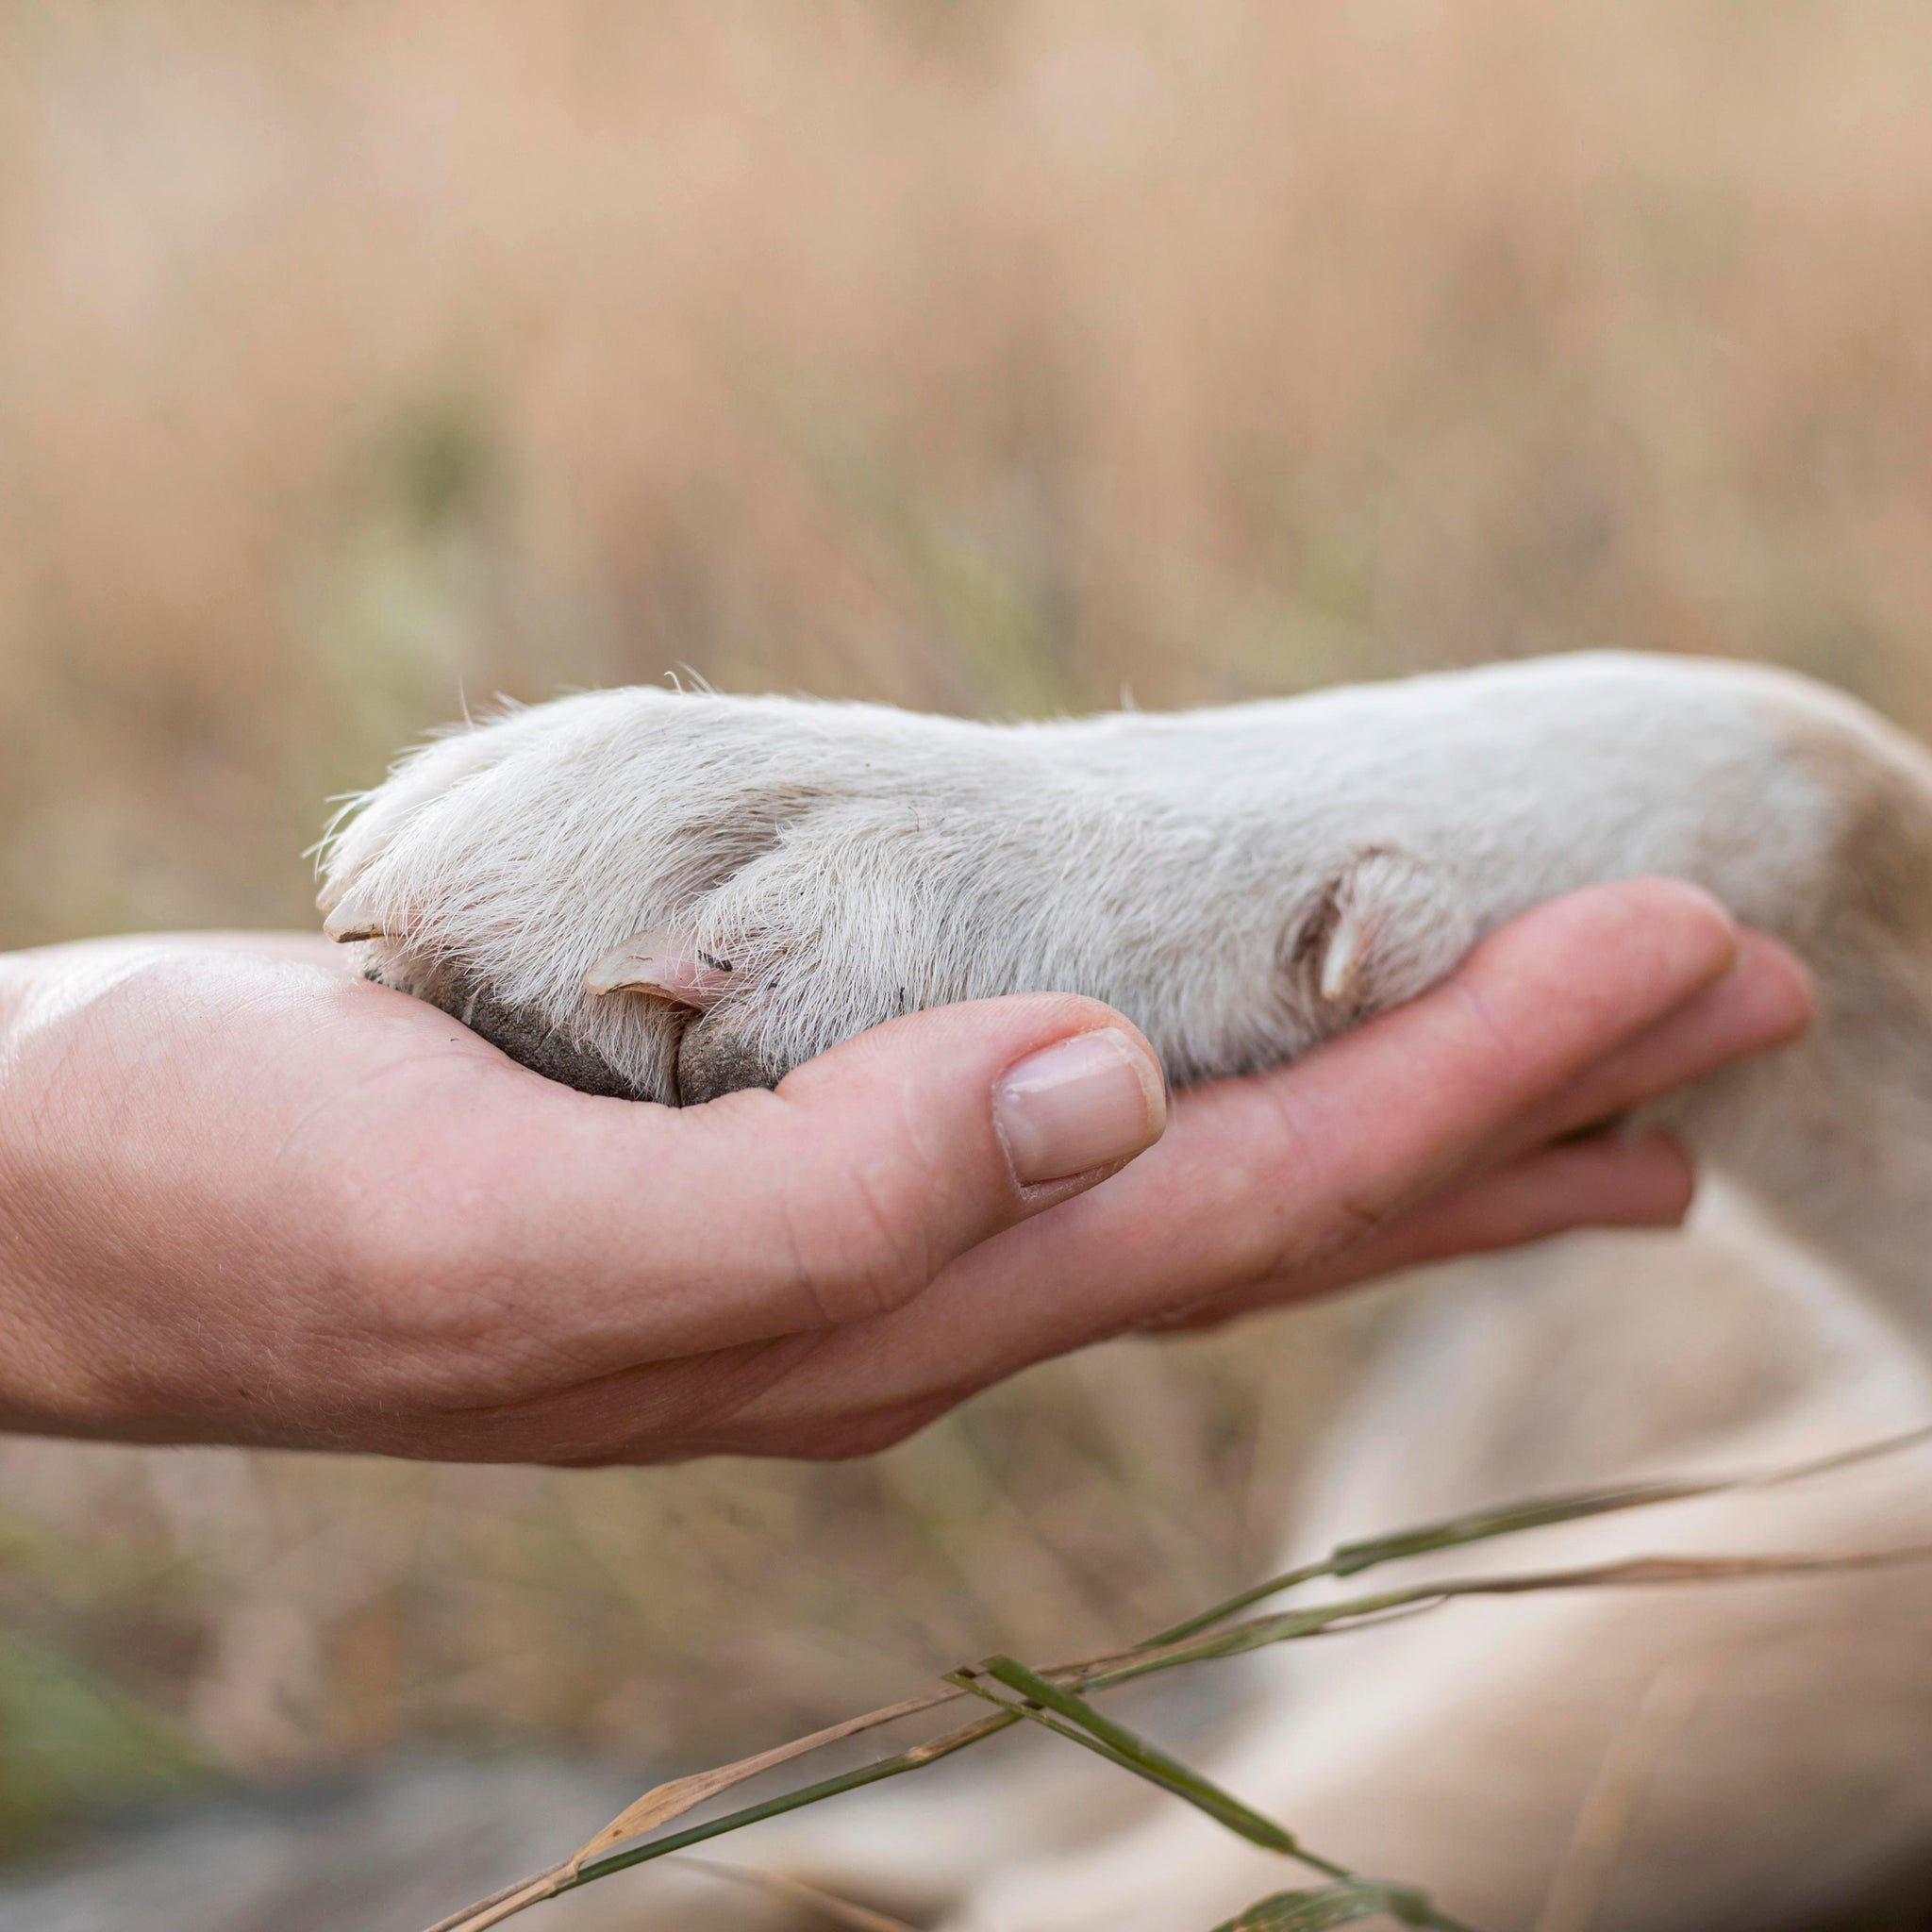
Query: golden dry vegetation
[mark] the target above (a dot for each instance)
(358, 361)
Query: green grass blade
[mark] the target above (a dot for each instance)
(1512, 1519)
(915, 1759)
(976, 1686)
(1258, 1633)
(1133, 1753)
(1054, 1700)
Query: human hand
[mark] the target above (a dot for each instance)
(247, 1197)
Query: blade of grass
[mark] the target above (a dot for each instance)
(916, 1758)
(1073, 1718)
(1124, 1667)
(1170, 1649)
(1535, 1512)
(665, 1802)
(1258, 1633)
(1134, 1753)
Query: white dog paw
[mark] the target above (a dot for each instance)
(669, 897)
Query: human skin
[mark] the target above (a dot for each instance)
(247, 1197)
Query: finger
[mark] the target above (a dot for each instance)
(1609, 1182)
(1259, 1178)
(1264, 1174)
(1766, 1000)
(1604, 1182)
(834, 1197)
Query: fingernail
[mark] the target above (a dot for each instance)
(1089, 1102)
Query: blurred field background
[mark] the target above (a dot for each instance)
(358, 361)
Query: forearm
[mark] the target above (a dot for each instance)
(113, 1191)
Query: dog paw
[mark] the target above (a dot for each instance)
(672, 896)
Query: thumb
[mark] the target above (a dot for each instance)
(875, 1165)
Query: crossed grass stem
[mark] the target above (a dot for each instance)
(1053, 1697)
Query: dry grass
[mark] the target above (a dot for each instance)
(185, 1615)
(355, 358)
(987, 358)
(1059, 1698)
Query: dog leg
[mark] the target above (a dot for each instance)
(1463, 1751)
(669, 896)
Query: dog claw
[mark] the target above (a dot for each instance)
(663, 967)
(1342, 965)
(349, 919)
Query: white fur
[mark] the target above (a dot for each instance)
(853, 862)
(1241, 883)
